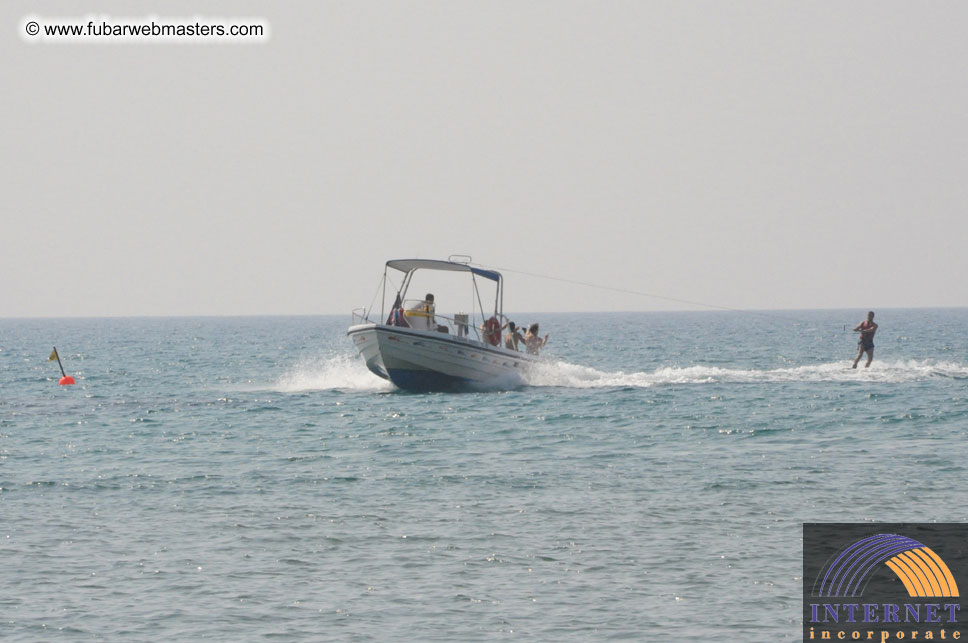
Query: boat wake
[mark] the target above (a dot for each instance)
(342, 372)
(563, 374)
(347, 373)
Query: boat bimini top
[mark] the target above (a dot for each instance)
(409, 265)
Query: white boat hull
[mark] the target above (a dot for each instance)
(425, 360)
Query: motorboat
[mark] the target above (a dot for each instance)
(419, 349)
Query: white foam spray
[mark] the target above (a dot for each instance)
(342, 372)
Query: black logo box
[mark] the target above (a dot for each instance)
(822, 542)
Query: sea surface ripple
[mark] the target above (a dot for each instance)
(234, 479)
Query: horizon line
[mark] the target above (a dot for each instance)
(737, 311)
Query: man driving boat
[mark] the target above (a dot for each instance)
(421, 315)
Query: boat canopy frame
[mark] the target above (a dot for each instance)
(410, 266)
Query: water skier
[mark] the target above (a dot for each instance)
(866, 343)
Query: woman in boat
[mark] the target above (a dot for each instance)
(513, 337)
(533, 343)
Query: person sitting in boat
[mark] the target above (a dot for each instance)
(397, 316)
(513, 337)
(491, 331)
(421, 315)
(533, 343)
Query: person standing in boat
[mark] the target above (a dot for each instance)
(513, 337)
(866, 343)
(533, 343)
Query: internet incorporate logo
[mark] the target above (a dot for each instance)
(921, 570)
(886, 583)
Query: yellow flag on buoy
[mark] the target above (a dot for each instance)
(66, 379)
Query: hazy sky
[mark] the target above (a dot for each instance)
(745, 154)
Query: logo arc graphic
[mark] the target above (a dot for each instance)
(920, 569)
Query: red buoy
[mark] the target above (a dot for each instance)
(66, 380)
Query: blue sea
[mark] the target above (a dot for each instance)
(247, 479)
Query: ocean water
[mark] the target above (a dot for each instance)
(246, 479)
